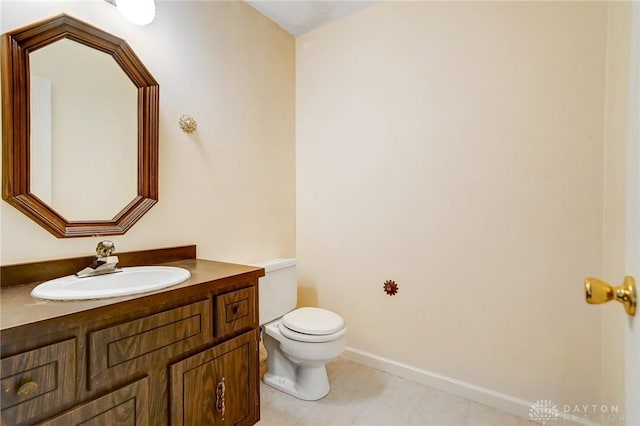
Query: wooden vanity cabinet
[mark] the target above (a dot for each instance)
(187, 356)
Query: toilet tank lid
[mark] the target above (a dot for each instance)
(275, 264)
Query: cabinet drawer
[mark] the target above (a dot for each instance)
(36, 383)
(119, 351)
(235, 311)
(127, 406)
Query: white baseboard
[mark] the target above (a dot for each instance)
(503, 402)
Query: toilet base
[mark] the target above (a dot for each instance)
(311, 383)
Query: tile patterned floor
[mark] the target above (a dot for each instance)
(365, 396)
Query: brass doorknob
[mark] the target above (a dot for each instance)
(597, 291)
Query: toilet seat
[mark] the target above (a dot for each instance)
(314, 325)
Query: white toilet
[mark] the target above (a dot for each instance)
(299, 342)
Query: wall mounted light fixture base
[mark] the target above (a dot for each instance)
(187, 124)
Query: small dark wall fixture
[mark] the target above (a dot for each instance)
(390, 287)
(16, 166)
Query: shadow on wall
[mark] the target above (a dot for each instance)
(307, 295)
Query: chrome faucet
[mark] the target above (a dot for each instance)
(104, 262)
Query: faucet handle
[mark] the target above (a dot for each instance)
(105, 248)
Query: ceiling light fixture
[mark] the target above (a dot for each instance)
(139, 12)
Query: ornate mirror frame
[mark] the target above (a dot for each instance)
(15, 49)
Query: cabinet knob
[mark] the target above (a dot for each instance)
(220, 391)
(27, 389)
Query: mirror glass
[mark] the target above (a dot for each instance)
(83, 136)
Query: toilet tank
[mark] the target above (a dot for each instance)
(278, 289)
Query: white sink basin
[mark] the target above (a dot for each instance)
(134, 280)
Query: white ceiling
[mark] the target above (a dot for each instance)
(300, 16)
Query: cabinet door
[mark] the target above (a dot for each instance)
(217, 386)
(127, 406)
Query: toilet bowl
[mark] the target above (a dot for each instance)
(296, 362)
(299, 342)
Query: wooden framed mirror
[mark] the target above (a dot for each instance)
(35, 187)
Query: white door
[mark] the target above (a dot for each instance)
(632, 363)
(621, 333)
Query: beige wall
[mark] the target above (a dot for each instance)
(457, 149)
(229, 188)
